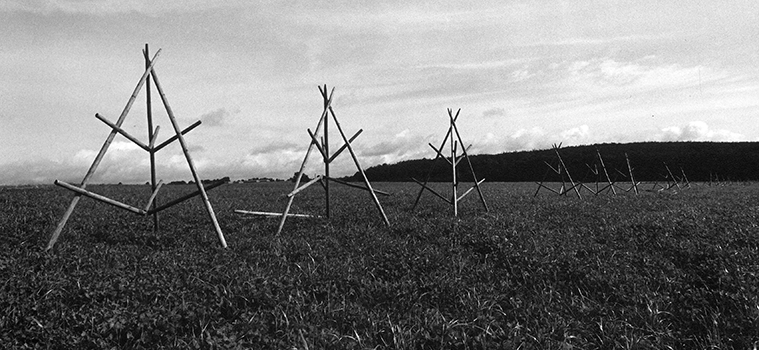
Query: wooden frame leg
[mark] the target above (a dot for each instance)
(190, 163)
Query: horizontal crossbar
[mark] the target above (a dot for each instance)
(357, 186)
(470, 190)
(186, 197)
(175, 137)
(264, 213)
(99, 197)
(122, 132)
(344, 146)
(303, 187)
(433, 191)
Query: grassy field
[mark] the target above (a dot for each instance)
(655, 271)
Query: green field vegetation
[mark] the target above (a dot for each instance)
(655, 271)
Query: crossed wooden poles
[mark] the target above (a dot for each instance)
(454, 160)
(609, 186)
(563, 172)
(150, 207)
(322, 145)
(671, 181)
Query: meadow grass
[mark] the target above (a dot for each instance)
(654, 271)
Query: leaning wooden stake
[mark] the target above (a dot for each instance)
(608, 178)
(674, 179)
(190, 163)
(360, 169)
(561, 161)
(151, 136)
(630, 170)
(685, 178)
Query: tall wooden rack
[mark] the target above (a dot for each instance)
(455, 159)
(319, 139)
(151, 208)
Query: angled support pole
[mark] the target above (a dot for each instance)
(569, 176)
(360, 169)
(606, 173)
(190, 163)
(630, 170)
(152, 136)
(674, 179)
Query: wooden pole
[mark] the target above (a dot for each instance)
(303, 164)
(185, 197)
(99, 157)
(471, 188)
(151, 136)
(674, 179)
(190, 163)
(342, 148)
(632, 179)
(264, 213)
(608, 178)
(174, 138)
(357, 186)
(432, 191)
(561, 161)
(122, 132)
(301, 188)
(358, 166)
(151, 200)
(326, 152)
(454, 195)
(98, 197)
(687, 183)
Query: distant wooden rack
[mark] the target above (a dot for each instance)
(321, 144)
(670, 182)
(150, 208)
(455, 159)
(569, 184)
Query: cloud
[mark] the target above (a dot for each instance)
(576, 135)
(123, 162)
(527, 139)
(404, 145)
(277, 146)
(215, 117)
(494, 112)
(109, 7)
(535, 138)
(698, 131)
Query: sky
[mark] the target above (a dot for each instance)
(525, 74)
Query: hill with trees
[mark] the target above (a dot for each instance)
(700, 161)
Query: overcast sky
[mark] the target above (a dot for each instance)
(525, 74)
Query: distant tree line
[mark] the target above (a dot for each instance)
(700, 161)
(204, 181)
